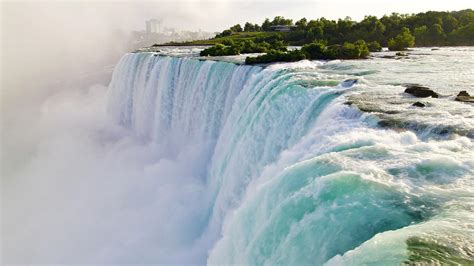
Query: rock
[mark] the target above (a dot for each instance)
(388, 57)
(349, 82)
(463, 96)
(420, 91)
(419, 104)
(434, 49)
(401, 54)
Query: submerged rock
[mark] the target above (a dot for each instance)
(349, 82)
(420, 91)
(418, 104)
(463, 96)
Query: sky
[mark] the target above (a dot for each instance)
(219, 14)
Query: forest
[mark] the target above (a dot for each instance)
(431, 28)
(344, 38)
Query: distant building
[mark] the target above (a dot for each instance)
(154, 26)
(282, 28)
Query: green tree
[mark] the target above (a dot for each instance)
(314, 50)
(450, 23)
(361, 45)
(302, 23)
(266, 25)
(236, 28)
(437, 35)
(225, 33)
(249, 27)
(463, 35)
(421, 35)
(279, 20)
(402, 41)
(374, 46)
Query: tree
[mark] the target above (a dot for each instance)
(463, 35)
(279, 20)
(266, 25)
(374, 46)
(421, 35)
(315, 33)
(249, 27)
(225, 33)
(314, 50)
(428, 29)
(437, 35)
(361, 45)
(302, 23)
(402, 41)
(228, 42)
(450, 23)
(236, 28)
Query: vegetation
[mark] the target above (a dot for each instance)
(276, 56)
(374, 46)
(402, 41)
(229, 47)
(429, 28)
(331, 39)
(314, 51)
(220, 50)
(235, 37)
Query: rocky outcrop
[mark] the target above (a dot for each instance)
(418, 104)
(463, 96)
(420, 91)
(349, 83)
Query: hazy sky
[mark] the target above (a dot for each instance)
(52, 36)
(219, 14)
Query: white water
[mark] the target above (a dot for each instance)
(212, 162)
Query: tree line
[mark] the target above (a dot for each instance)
(432, 28)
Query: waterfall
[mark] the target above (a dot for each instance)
(291, 175)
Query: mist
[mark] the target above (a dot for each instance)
(76, 187)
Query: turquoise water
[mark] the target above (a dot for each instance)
(292, 175)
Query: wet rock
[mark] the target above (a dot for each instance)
(434, 49)
(418, 104)
(420, 91)
(463, 96)
(349, 82)
(401, 54)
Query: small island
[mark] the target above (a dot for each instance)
(325, 39)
